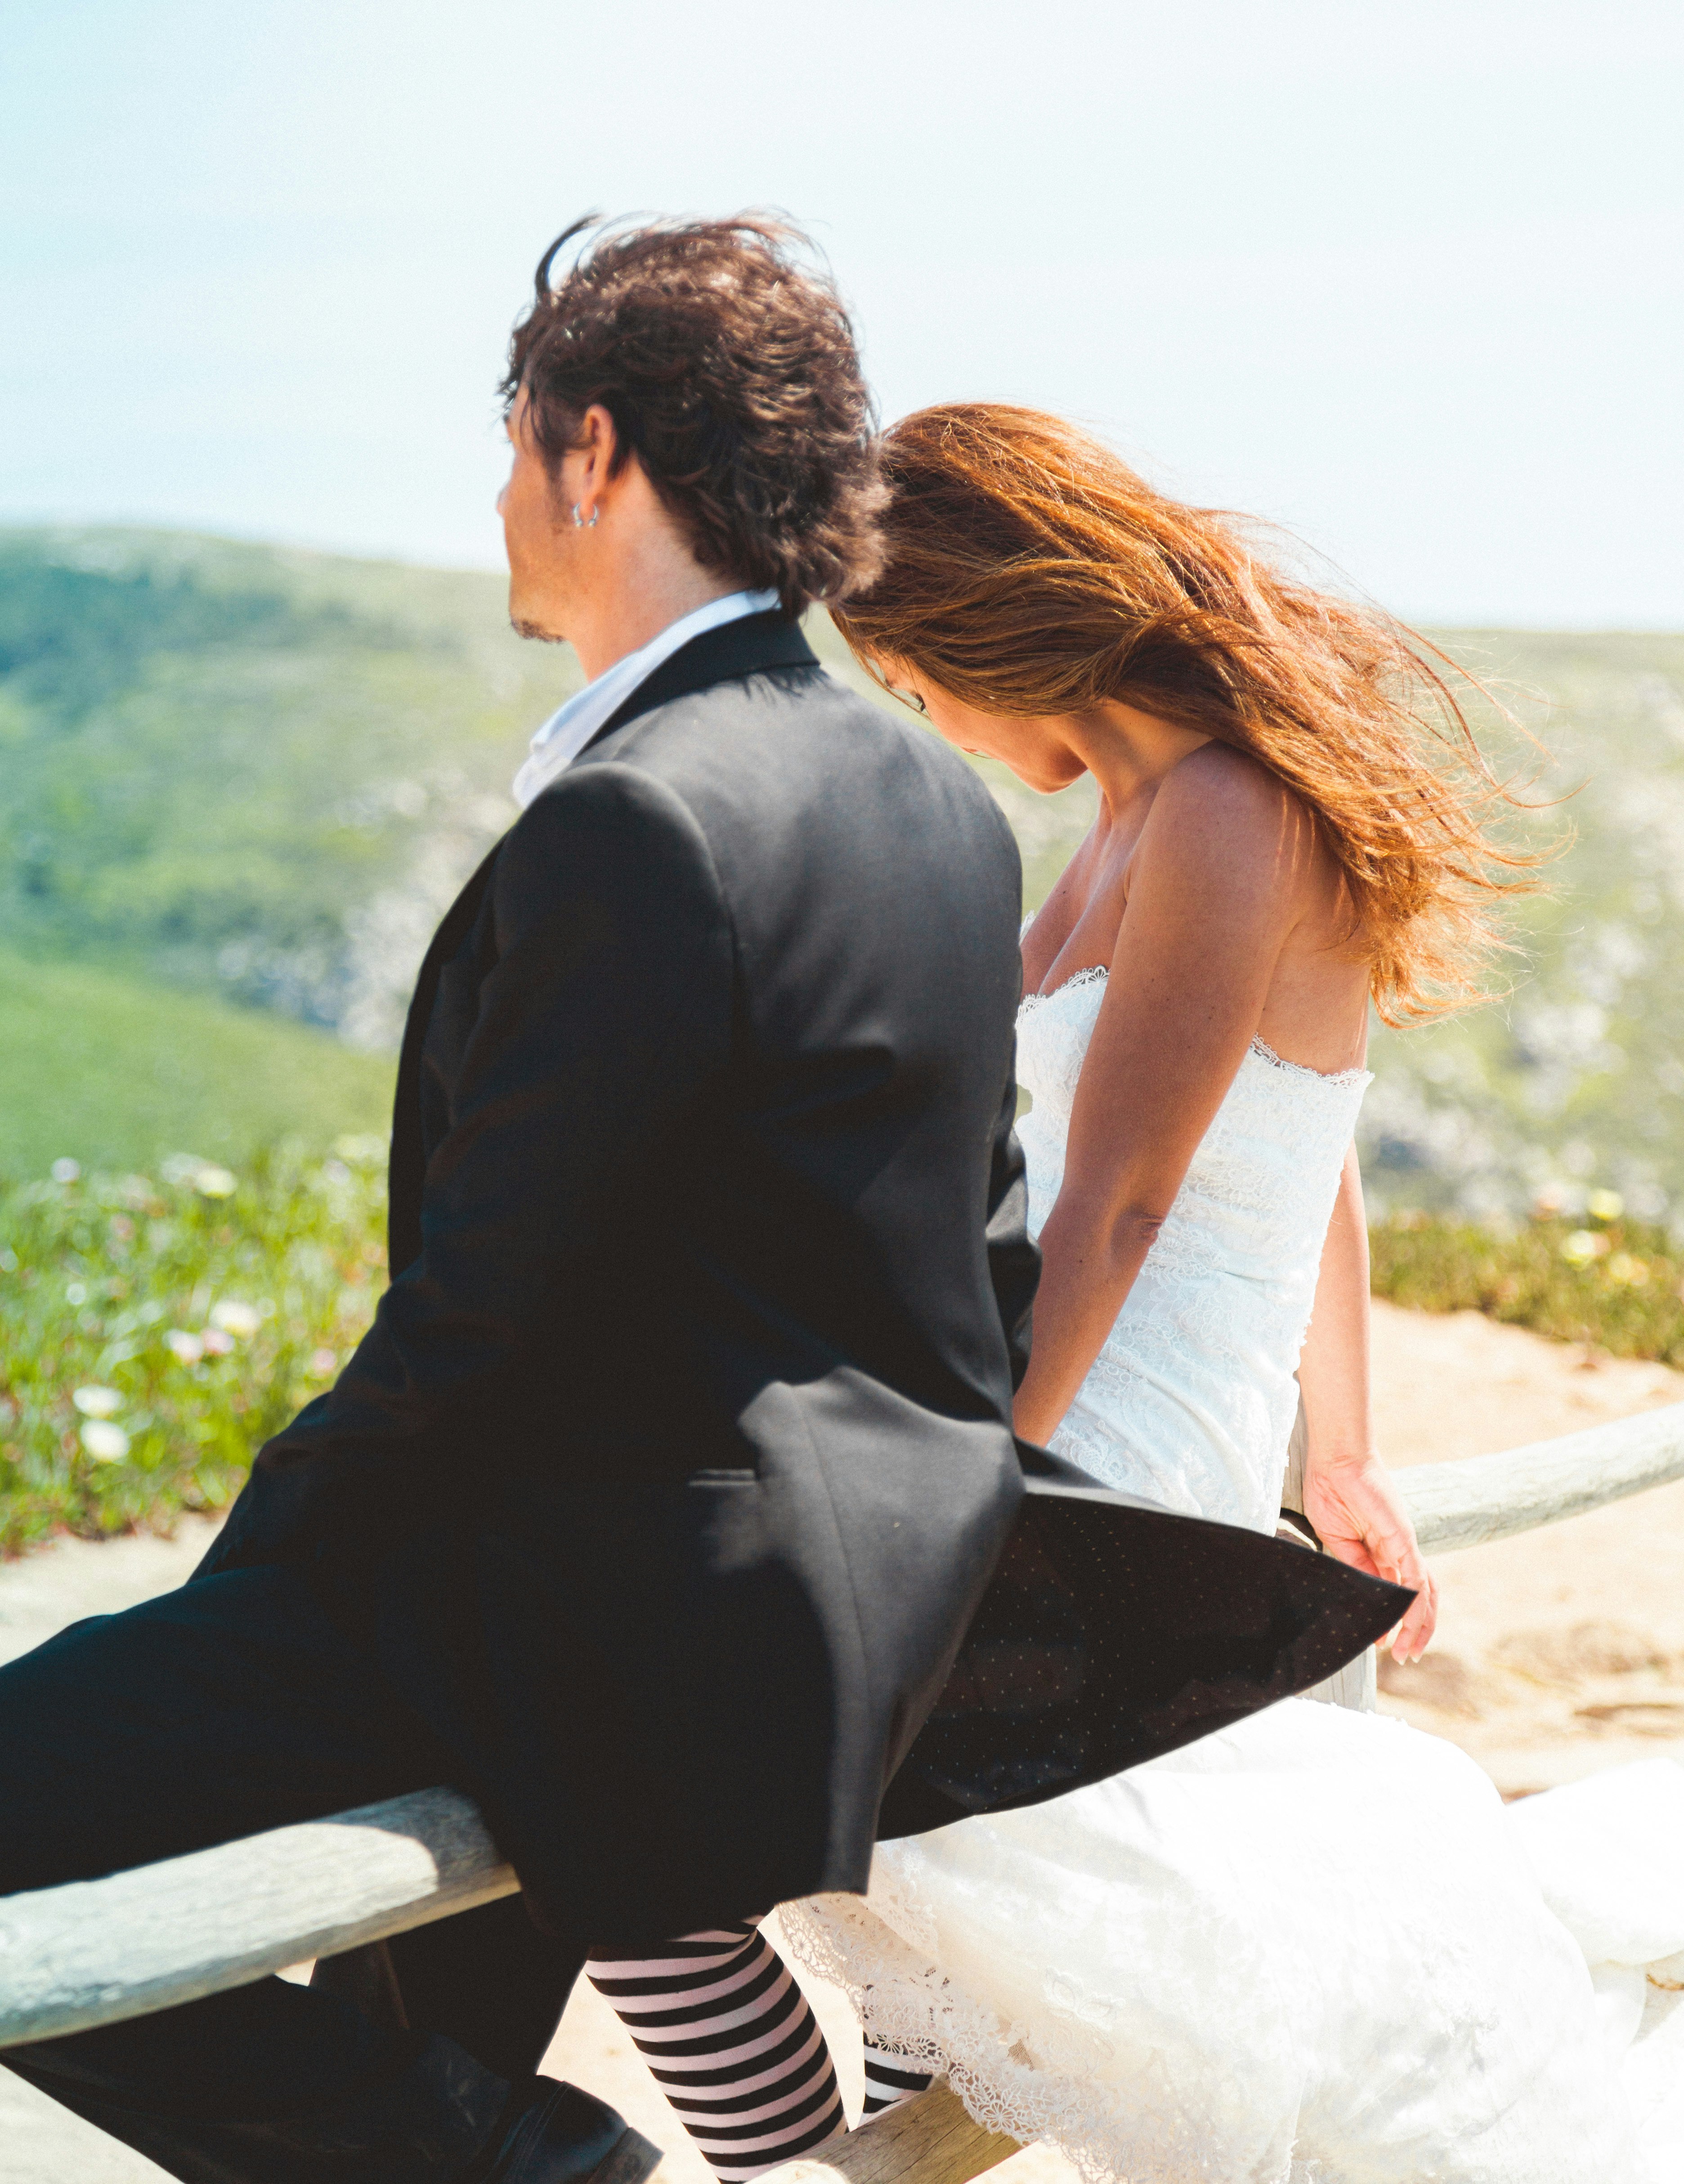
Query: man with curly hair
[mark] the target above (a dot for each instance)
(653, 1506)
(677, 1467)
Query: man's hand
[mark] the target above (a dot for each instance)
(1359, 1514)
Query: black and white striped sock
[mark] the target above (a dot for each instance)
(732, 2043)
(890, 2080)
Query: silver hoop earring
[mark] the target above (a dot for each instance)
(585, 523)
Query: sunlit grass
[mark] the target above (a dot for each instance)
(156, 1330)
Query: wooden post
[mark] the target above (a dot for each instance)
(929, 2137)
(1358, 1683)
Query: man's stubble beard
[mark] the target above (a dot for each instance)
(536, 631)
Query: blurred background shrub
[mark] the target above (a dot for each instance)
(1608, 1281)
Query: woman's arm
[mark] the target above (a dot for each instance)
(1216, 883)
(1349, 1496)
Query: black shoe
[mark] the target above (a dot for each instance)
(565, 2136)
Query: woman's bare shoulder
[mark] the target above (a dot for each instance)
(1218, 799)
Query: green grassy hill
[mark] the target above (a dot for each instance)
(250, 771)
(253, 778)
(240, 783)
(115, 1072)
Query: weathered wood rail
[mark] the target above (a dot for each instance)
(1479, 1498)
(96, 1952)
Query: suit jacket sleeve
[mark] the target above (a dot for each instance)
(1013, 1261)
(605, 1016)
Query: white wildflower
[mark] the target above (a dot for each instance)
(97, 1402)
(234, 1318)
(104, 1442)
(189, 1348)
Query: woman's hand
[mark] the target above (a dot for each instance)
(1355, 1507)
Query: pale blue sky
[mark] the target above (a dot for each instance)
(1406, 275)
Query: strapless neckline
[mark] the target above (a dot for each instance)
(1096, 974)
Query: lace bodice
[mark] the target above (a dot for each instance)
(1191, 1400)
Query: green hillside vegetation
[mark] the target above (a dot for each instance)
(260, 775)
(1608, 1281)
(1574, 1081)
(247, 771)
(115, 1072)
(244, 783)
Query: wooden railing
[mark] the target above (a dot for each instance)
(96, 1951)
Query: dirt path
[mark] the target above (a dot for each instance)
(1558, 1652)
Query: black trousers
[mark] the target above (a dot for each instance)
(233, 1705)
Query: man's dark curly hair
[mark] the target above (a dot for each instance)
(728, 366)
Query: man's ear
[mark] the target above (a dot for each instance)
(599, 445)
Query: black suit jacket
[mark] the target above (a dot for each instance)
(678, 1454)
(677, 1462)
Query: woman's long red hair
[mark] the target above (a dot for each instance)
(1031, 572)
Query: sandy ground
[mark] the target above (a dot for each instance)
(1561, 1650)
(1558, 1652)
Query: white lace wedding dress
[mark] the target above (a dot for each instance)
(1315, 1948)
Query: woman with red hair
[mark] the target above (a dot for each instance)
(1290, 826)
(1310, 1948)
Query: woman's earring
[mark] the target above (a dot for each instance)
(585, 523)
